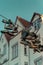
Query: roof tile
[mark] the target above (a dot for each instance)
(24, 22)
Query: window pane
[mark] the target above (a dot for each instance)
(16, 64)
(26, 63)
(38, 62)
(4, 49)
(15, 51)
(37, 24)
(0, 51)
(25, 50)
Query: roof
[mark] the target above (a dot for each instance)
(9, 37)
(24, 22)
(34, 14)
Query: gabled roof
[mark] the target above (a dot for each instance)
(9, 37)
(34, 14)
(24, 22)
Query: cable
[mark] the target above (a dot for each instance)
(3, 16)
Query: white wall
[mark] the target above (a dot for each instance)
(20, 25)
(21, 58)
(2, 44)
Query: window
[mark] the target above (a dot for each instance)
(38, 61)
(34, 24)
(37, 24)
(24, 34)
(2, 40)
(16, 64)
(25, 50)
(0, 51)
(4, 49)
(26, 63)
(15, 51)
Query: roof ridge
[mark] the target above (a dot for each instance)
(18, 17)
(34, 15)
(24, 22)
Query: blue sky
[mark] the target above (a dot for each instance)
(22, 8)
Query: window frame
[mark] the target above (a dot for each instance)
(36, 24)
(25, 50)
(4, 49)
(15, 46)
(25, 63)
(37, 60)
(16, 64)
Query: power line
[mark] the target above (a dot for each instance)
(4, 17)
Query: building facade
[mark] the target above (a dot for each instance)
(12, 52)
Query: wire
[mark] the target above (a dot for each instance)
(3, 16)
